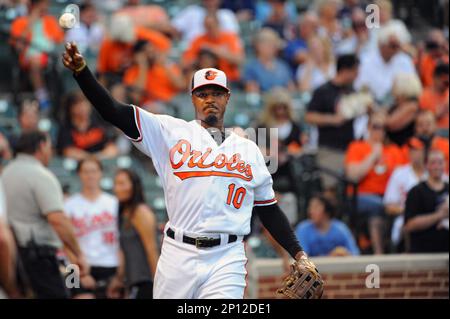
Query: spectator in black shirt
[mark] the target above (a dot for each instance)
(83, 134)
(406, 91)
(335, 132)
(426, 211)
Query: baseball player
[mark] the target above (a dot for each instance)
(211, 186)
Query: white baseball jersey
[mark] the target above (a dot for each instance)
(95, 224)
(209, 188)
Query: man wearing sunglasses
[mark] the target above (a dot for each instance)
(381, 65)
(212, 181)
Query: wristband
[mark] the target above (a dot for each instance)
(78, 70)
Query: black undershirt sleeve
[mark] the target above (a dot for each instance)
(118, 114)
(276, 222)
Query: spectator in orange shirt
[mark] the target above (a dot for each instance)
(435, 97)
(83, 135)
(436, 53)
(152, 78)
(425, 130)
(371, 163)
(225, 45)
(116, 51)
(35, 37)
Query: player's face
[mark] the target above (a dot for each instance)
(90, 175)
(122, 187)
(210, 103)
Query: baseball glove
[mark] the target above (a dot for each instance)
(303, 282)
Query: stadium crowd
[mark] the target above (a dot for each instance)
(361, 104)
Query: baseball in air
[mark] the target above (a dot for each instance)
(67, 20)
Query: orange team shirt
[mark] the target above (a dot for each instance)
(115, 56)
(226, 39)
(20, 29)
(426, 68)
(158, 85)
(430, 100)
(374, 183)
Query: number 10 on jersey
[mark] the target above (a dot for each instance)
(236, 197)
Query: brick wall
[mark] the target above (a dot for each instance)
(401, 276)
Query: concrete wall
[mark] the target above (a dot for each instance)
(400, 276)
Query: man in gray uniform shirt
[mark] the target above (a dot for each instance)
(35, 212)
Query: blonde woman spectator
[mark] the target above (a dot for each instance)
(267, 71)
(406, 91)
(278, 113)
(319, 66)
(329, 24)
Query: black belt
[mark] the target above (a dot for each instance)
(201, 242)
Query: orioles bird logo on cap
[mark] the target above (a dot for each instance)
(210, 75)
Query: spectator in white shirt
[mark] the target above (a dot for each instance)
(94, 215)
(401, 181)
(379, 67)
